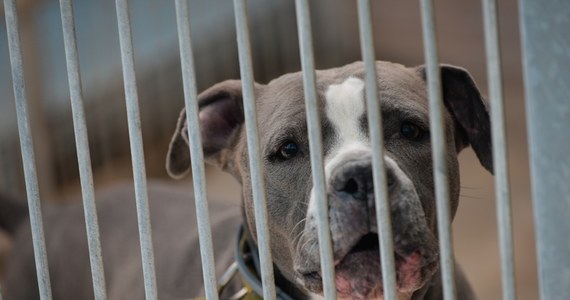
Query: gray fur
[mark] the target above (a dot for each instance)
(175, 241)
(281, 117)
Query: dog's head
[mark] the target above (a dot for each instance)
(348, 171)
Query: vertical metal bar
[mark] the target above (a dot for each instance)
(257, 181)
(383, 217)
(440, 172)
(499, 148)
(135, 138)
(82, 144)
(28, 159)
(316, 147)
(546, 66)
(196, 152)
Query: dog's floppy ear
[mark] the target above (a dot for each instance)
(463, 100)
(221, 116)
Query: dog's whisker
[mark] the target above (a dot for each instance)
(302, 221)
(307, 243)
(298, 238)
(470, 197)
(468, 187)
(295, 227)
(305, 236)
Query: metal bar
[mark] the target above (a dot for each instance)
(82, 144)
(316, 147)
(257, 180)
(26, 145)
(440, 172)
(546, 66)
(383, 217)
(501, 170)
(196, 152)
(137, 154)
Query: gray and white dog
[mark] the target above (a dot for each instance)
(290, 201)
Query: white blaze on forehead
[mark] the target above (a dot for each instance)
(344, 109)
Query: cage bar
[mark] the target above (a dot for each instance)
(377, 139)
(255, 166)
(500, 161)
(82, 145)
(137, 154)
(439, 153)
(316, 147)
(196, 152)
(546, 68)
(26, 144)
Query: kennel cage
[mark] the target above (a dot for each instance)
(545, 64)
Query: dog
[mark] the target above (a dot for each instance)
(290, 197)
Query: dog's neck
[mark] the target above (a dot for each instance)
(282, 283)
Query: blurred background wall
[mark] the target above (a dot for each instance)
(275, 50)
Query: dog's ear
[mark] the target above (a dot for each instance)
(468, 108)
(221, 117)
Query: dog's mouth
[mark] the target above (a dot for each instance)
(358, 273)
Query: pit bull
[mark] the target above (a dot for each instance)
(289, 189)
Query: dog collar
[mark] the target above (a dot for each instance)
(246, 266)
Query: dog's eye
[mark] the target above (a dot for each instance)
(411, 131)
(288, 150)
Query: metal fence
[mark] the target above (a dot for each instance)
(546, 62)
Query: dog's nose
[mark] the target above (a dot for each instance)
(354, 180)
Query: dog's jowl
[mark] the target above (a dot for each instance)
(290, 202)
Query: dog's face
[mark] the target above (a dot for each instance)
(347, 150)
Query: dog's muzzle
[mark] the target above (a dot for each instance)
(354, 233)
